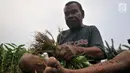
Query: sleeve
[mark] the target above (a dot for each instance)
(96, 39)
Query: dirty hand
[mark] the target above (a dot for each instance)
(53, 66)
(66, 51)
(30, 63)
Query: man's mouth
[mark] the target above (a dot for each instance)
(72, 20)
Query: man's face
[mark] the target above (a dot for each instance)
(73, 16)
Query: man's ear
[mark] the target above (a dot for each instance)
(83, 14)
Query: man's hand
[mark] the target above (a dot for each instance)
(30, 63)
(53, 66)
(66, 51)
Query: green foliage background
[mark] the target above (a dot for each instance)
(11, 53)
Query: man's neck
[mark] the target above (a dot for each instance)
(77, 29)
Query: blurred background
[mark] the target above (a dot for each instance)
(19, 19)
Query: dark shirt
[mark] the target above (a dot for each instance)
(86, 36)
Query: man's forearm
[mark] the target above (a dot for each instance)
(117, 65)
(94, 52)
(106, 67)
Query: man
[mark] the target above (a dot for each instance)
(119, 64)
(79, 39)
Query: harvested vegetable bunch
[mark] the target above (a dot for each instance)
(44, 44)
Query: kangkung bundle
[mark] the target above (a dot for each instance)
(43, 43)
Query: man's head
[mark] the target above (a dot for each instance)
(73, 14)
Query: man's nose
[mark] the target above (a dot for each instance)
(71, 16)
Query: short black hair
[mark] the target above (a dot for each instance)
(79, 5)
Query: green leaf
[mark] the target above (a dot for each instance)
(11, 44)
(126, 46)
(113, 49)
(21, 46)
(9, 49)
(107, 44)
(120, 47)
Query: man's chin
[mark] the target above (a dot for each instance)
(74, 28)
(72, 25)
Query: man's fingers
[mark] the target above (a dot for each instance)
(50, 70)
(53, 66)
(58, 49)
(52, 62)
(62, 52)
(68, 56)
(65, 51)
(47, 70)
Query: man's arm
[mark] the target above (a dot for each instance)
(95, 42)
(68, 51)
(93, 52)
(119, 64)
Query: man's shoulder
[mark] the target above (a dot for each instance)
(90, 26)
(64, 32)
(61, 35)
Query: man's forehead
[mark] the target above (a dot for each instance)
(71, 7)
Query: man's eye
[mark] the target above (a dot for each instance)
(66, 13)
(74, 11)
